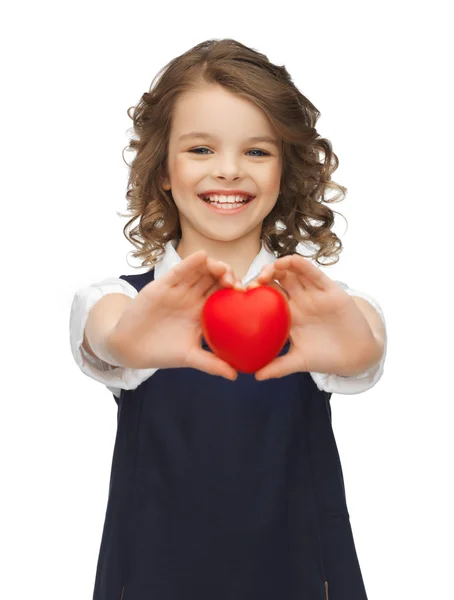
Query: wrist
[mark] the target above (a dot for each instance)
(363, 367)
(107, 351)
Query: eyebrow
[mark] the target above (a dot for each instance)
(201, 134)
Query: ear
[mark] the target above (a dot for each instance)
(165, 183)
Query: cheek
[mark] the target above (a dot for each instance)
(186, 170)
(277, 177)
(273, 179)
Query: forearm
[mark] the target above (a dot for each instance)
(370, 359)
(375, 346)
(101, 320)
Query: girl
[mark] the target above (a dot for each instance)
(224, 485)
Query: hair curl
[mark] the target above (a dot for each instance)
(299, 215)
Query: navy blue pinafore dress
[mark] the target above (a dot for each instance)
(224, 490)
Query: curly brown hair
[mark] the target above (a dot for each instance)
(299, 215)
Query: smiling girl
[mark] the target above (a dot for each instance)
(226, 485)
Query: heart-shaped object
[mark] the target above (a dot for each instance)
(246, 328)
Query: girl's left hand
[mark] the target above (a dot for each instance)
(329, 333)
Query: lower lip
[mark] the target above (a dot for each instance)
(227, 211)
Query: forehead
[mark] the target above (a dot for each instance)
(223, 114)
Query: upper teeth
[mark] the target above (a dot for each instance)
(227, 199)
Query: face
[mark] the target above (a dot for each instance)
(225, 159)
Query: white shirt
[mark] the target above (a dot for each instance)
(117, 378)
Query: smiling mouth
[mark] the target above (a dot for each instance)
(208, 201)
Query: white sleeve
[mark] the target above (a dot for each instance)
(356, 383)
(114, 378)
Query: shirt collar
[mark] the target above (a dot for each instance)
(172, 258)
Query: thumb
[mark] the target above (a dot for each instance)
(279, 367)
(206, 361)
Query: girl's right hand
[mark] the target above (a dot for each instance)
(161, 326)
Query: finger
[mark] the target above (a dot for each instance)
(284, 281)
(219, 284)
(292, 284)
(217, 266)
(277, 271)
(184, 271)
(205, 286)
(208, 284)
(208, 362)
(309, 273)
(199, 275)
(290, 276)
(207, 277)
(280, 367)
(266, 274)
(224, 273)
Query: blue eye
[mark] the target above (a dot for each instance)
(256, 150)
(262, 152)
(194, 150)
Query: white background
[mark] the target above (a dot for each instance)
(380, 74)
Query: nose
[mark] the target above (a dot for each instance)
(227, 167)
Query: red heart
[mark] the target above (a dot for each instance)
(246, 329)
